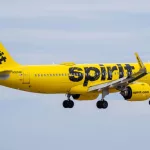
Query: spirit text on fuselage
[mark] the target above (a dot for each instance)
(102, 72)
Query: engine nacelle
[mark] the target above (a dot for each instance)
(87, 96)
(136, 92)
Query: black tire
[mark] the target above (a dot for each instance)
(105, 104)
(149, 102)
(99, 104)
(102, 104)
(70, 104)
(65, 104)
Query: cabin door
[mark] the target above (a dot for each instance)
(26, 77)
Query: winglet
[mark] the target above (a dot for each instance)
(141, 64)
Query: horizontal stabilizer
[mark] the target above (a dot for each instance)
(5, 70)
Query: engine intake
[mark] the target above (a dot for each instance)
(136, 92)
(127, 93)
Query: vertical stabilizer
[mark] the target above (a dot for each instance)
(5, 58)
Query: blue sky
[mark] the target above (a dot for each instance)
(45, 32)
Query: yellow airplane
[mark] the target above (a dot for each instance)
(79, 81)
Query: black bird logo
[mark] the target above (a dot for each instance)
(2, 57)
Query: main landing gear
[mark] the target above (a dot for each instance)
(68, 103)
(102, 104)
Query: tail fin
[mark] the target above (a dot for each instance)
(5, 58)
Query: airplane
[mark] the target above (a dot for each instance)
(78, 81)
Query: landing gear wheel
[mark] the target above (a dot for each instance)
(102, 104)
(99, 104)
(68, 104)
(65, 104)
(105, 104)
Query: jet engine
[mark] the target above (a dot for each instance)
(136, 92)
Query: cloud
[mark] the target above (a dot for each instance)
(46, 35)
(35, 8)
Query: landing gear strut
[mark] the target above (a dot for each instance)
(102, 104)
(68, 103)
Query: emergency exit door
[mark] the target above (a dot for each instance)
(26, 77)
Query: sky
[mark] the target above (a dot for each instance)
(81, 31)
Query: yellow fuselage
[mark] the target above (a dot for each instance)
(67, 78)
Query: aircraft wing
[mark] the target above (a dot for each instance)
(118, 84)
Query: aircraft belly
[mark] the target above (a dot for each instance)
(51, 86)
